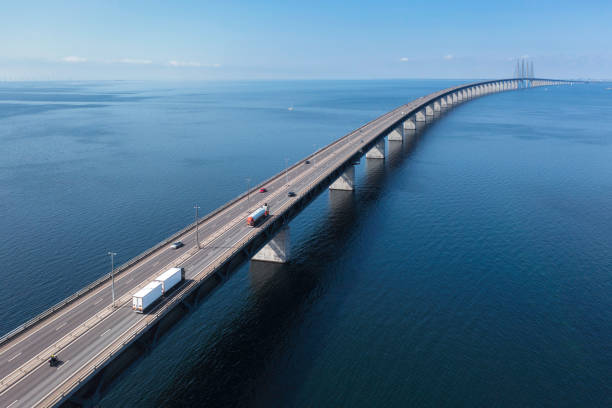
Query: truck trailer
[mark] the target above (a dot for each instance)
(146, 296)
(170, 279)
(258, 215)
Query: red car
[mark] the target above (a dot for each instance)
(262, 190)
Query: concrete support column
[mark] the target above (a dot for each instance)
(449, 100)
(443, 102)
(409, 124)
(459, 96)
(429, 111)
(465, 94)
(455, 97)
(397, 133)
(277, 250)
(470, 92)
(437, 107)
(378, 151)
(346, 181)
(420, 116)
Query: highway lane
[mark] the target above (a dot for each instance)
(50, 331)
(88, 309)
(231, 223)
(76, 354)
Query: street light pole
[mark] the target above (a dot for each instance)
(248, 180)
(286, 171)
(196, 223)
(112, 255)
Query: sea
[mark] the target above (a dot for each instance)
(472, 267)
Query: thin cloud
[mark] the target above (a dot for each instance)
(192, 64)
(449, 56)
(73, 58)
(404, 59)
(135, 61)
(184, 64)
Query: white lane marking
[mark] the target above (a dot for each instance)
(12, 403)
(15, 356)
(156, 263)
(105, 332)
(63, 364)
(98, 301)
(61, 325)
(129, 280)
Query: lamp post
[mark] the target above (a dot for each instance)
(112, 255)
(286, 171)
(248, 180)
(196, 223)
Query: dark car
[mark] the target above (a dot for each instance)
(291, 194)
(262, 190)
(307, 162)
(177, 245)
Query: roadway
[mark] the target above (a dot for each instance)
(83, 329)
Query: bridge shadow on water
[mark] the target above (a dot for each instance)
(232, 368)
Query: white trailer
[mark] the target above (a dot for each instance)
(146, 296)
(170, 278)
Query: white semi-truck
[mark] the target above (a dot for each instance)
(146, 296)
(170, 279)
(154, 291)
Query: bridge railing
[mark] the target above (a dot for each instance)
(122, 268)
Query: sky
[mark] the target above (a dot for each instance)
(208, 40)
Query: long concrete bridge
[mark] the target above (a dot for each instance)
(95, 340)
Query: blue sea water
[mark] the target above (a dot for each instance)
(472, 267)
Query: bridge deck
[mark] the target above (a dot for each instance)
(88, 333)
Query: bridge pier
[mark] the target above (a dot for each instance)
(277, 250)
(459, 96)
(443, 102)
(397, 133)
(409, 124)
(378, 151)
(437, 106)
(454, 97)
(346, 181)
(429, 111)
(449, 100)
(420, 116)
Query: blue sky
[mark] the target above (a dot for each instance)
(134, 39)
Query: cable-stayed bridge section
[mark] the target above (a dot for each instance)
(95, 340)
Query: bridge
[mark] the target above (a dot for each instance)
(95, 340)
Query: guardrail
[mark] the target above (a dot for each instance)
(120, 269)
(105, 355)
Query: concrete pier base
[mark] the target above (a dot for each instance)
(437, 107)
(397, 133)
(443, 103)
(409, 124)
(449, 100)
(277, 250)
(378, 151)
(455, 97)
(346, 181)
(420, 116)
(429, 110)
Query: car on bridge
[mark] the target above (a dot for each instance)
(177, 245)
(291, 194)
(263, 190)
